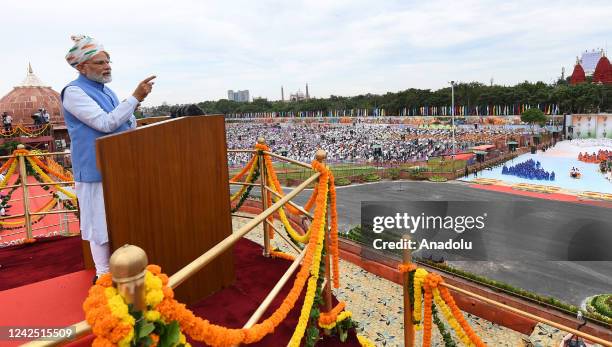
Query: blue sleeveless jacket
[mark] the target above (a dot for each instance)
(82, 137)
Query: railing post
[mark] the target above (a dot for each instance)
(264, 196)
(408, 327)
(24, 180)
(64, 219)
(320, 156)
(128, 267)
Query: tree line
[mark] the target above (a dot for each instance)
(581, 98)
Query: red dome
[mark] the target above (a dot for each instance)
(603, 71)
(578, 75)
(25, 99)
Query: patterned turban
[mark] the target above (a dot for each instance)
(84, 48)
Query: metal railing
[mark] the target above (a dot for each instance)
(267, 211)
(27, 212)
(190, 269)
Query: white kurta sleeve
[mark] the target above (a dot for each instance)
(87, 110)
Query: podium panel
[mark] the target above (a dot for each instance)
(166, 191)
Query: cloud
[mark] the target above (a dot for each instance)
(200, 49)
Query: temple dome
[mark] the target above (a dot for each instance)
(603, 71)
(26, 98)
(578, 76)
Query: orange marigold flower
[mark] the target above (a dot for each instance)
(105, 280)
(155, 269)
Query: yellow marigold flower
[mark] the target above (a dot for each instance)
(152, 315)
(182, 339)
(152, 282)
(126, 341)
(153, 298)
(365, 342)
(110, 292)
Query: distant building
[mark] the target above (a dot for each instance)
(239, 95)
(590, 59)
(299, 96)
(595, 64)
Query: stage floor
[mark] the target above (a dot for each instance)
(57, 301)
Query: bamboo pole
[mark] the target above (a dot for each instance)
(288, 160)
(264, 197)
(408, 326)
(244, 184)
(274, 292)
(241, 151)
(12, 216)
(51, 212)
(284, 237)
(298, 207)
(50, 183)
(26, 207)
(320, 156)
(191, 268)
(241, 215)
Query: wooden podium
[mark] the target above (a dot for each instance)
(166, 191)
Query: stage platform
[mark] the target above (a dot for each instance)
(57, 301)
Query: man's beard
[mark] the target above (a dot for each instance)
(100, 78)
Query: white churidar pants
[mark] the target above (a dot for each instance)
(93, 222)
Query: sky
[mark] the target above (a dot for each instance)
(201, 49)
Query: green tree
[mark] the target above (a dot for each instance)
(534, 116)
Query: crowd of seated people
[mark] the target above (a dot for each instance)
(356, 143)
(529, 169)
(600, 156)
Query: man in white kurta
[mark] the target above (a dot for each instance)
(92, 110)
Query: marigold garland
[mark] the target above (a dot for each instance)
(435, 293)
(404, 268)
(448, 315)
(7, 164)
(302, 238)
(108, 326)
(340, 317)
(162, 305)
(48, 179)
(46, 208)
(314, 270)
(272, 173)
(249, 179)
(334, 247)
(282, 255)
(9, 173)
(427, 317)
(48, 169)
(448, 298)
(330, 317)
(201, 330)
(244, 170)
(419, 278)
(56, 167)
(109, 316)
(364, 341)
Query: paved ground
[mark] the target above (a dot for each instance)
(568, 281)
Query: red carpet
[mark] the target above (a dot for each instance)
(49, 224)
(55, 302)
(255, 277)
(58, 301)
(547, 196)
(39, 261)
